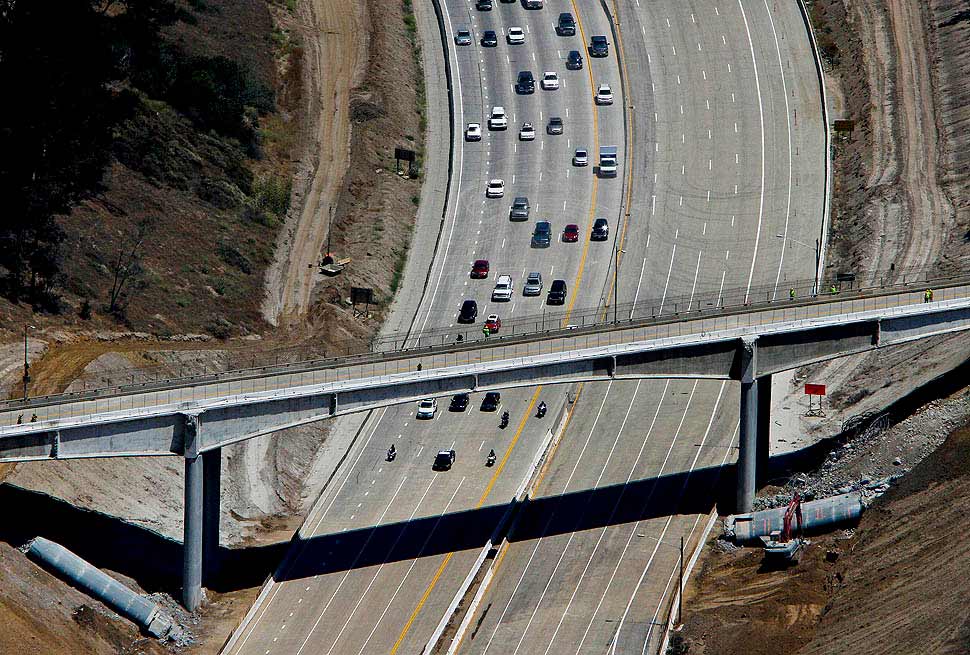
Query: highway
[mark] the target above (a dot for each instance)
(369, 592)
(729, 149)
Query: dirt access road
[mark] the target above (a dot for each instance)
(335, 46)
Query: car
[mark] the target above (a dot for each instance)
(555, 125)
(473, 132)
(498, 120)
(468, 312)
(599, 46)
(533, 4)
(581, 157)
(557, 293)
(493, 323)
(491, 401)
(503, 288)
(463, 36)
(515, 36)
(533, 284)
(527, 133)
(566, 25)
(519, 211)
(550, 81)
(495, 188)
(483, 5)
(601, 230)
(570, 233)
(489, 39)
(525, 83)
(574, 60)
(427, 408)
(479, 269)
(542, 235)
(459, 402)
(443, 460)
(604, 95)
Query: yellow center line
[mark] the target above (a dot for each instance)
(481, 501)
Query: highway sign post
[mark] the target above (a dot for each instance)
(812, 390)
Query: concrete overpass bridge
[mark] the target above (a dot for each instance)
(194, 419)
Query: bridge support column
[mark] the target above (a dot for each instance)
(747, 450)
(764, 429)
(192, 532)
(211, 486)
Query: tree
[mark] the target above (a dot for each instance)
(126, 268)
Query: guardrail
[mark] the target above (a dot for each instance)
(643, 314)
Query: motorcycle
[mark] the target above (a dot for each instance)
(505, 421)
(490, 460)
(391, 454)
(541, 411)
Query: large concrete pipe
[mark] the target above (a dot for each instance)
(815, 514)
(146, 613)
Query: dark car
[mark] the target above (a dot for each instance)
(599, 46)
(519, 211)
(571, 233)
(491, 401)
(557, 293)
(601, 230)
(566, 25)
(555, 125)
(525, 83)
(542, 235)
(574, 60)
(483, 5)
(489, 39)
(459, 402)
(468, 312)
(443, 460)
(479, 269)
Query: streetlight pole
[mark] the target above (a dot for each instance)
(818, 255)
(616, 278)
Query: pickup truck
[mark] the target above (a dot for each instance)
(607, 161)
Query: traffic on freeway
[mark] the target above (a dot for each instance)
(592, 165)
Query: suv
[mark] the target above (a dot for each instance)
(574, 60)
(557, 293)
(483, 5)
(554, 126)
(491, 401)
(459, 402)
(542, 235)
(498, 120)
(566, 25)
(463, 37)
(443, 460)
(503, 288)
(533, 284)
(599, 46)
(489, 38)
(519, 211)
(601, 230)
(468, 312)
(526, 83)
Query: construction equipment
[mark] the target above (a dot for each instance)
(780, 547)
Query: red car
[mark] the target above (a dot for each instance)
(493, 323)
(480, 269)
(571, 233)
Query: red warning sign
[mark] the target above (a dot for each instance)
(814, 389)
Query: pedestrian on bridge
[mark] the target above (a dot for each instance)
(928, 295)
(791, 293)
(486, 331)
(833, 289)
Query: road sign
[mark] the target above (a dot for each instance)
(814, 389)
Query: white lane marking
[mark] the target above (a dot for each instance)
(528, 564)
(761, 116)
(351, 568)
(653, 204)
(693, 287)
(721, 288)
(636, 295)
(784, 88)
(667, 282)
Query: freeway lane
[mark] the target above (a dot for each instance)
(384, 589)
(716, 89)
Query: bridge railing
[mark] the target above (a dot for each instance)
(221, 364)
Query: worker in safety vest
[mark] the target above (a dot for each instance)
(791, 293)
(833, 289)
(928, 295)
(485, 331)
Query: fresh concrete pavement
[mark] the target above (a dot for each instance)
(384, 590)
(729, 153)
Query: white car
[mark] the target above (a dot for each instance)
(604, 95)
(550, 81)
(516, 36)
(503, 288)
(581, 157)
(527, 133)
(473, 132)
(495, 189)
(427, 408)
(498, 120)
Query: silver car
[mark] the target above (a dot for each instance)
(533, 284)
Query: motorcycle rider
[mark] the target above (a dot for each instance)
(542, 409)
(391, 452)
(491, 457)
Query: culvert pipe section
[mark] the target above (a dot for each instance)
(146, 613)
(816, 515)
